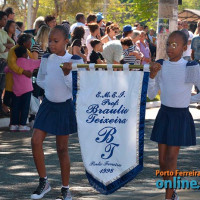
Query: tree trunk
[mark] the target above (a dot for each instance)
(60, 12)
(29, 14)
(34, 12)
(25, 12)
(56, 7)
(4, 4)
(167, 9)
(105, 8)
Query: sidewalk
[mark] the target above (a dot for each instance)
(19, 177)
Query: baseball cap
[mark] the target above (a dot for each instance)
(99, 17)
(127, 28)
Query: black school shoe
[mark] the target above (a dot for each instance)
(175, 196)
(65, 194)
(42, 189)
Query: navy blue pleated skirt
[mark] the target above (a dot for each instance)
(56, 118)
(174, 127)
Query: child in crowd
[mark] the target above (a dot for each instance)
(94, 34)
(22, 87)
(174, 126)
(19, 29)
(144, 48)
(25, 41)
(56, 113)
(77, 37)
(131, 52)
(95, 56)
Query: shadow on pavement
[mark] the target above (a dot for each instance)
(19, 177)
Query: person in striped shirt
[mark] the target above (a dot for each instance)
(132, 54)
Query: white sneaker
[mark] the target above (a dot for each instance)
(65, 194)
(24, 128)
(14, 127)
(175, 196)
(31, 123)
(42, 189)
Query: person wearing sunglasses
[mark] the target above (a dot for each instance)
(111, 32)
(180, 27)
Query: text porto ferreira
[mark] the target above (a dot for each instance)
(177, 182)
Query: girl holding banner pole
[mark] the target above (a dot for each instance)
(174, 125)
(56, 113)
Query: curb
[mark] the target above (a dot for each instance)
(153, 104)
(4, 122)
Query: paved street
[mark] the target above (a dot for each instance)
(18, 177)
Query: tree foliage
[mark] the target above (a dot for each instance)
(120, 11)
(62, 9)
(131, 11)
(143, 11)
(191, 4)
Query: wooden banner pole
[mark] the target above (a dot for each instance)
(104, 66)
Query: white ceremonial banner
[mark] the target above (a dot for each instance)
(108, 110)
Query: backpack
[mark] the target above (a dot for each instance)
(70, 48)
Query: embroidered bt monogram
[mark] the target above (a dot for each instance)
(107, 135)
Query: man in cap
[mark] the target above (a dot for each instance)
(100, 18)
(127, 31)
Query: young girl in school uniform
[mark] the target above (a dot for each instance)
(56, 114)
(174, 125)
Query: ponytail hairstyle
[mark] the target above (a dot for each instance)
(25, 37)
(62, 29)
(108, 23)
(112, 27)
(43, 36)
